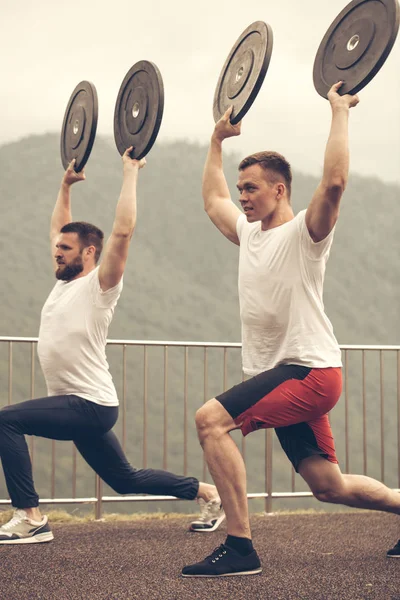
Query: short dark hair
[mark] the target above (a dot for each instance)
(89, 235)
(274, 163)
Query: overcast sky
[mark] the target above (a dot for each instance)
(47, 47)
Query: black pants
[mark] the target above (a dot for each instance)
(88, 425)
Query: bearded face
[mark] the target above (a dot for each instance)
(67, 272)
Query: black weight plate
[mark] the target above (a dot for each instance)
(79, 125)
(356, 45)
(139, 109)
(243, 72)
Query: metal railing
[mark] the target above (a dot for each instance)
(367, 416)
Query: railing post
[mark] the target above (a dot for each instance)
(346, 411)
(165, 432)
(205, 398)
(98, 513)
(10, 371)
(185, 412)
(382, 411)
(398, 417)
(268, 470)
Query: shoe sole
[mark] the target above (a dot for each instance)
(255, 572)
(210, 529)
(392, 555)
(35, 539)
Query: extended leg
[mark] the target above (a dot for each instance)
(329, 484)
(106, 457)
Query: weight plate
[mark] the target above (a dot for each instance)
(356, 45)
(79, 125)
(139, 109)
(244, 71)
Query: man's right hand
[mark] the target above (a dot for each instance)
(224, 128)
(129, 163)
(71, 176)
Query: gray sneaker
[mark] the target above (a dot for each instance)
(21, 530)
(211, 516)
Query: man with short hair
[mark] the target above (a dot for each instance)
(82, 403)
(289, 350)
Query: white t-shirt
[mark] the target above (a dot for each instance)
(281, 274)
(72, 339)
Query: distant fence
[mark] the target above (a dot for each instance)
(366, 422)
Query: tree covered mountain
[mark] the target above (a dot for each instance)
(181, 282)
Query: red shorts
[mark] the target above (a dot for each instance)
(295, 401)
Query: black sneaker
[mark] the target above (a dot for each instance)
(224, 562)
(394, 552)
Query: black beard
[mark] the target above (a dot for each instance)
(70, 271)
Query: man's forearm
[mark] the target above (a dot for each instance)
(336, 163)
(214, 182)
(62, 210)
(125, 213)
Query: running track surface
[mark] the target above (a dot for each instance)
(321, 556)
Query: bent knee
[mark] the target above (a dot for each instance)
(212, 419)
(331, 495)
(204, 419)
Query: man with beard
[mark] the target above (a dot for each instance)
(82, 403)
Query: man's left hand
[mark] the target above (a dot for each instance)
(338, 101)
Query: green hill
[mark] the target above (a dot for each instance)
(179, 264)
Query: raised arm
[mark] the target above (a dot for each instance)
(323, 209)
(217, 200)
(62, 209)
(116, 251)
